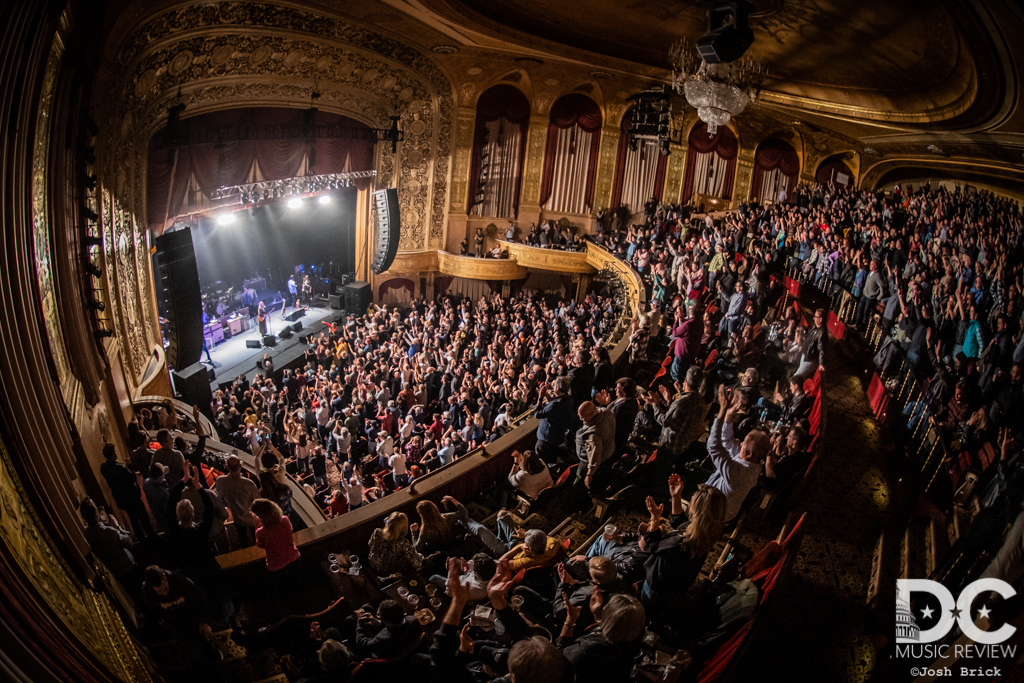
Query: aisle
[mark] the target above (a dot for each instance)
(823, 625)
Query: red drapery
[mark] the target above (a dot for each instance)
(620, 162)
(830, 169)
(216, 164)
(775, 154)
(501, 101)
(723, 143)
(568, 111)
(396, 283)
(441, 284)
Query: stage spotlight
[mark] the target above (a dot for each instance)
(266, 195)
(325, 199)
(295, 203)
(226, 219)
(245, 198)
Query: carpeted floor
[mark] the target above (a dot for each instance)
(823, 627)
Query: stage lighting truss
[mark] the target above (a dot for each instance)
(251, 193)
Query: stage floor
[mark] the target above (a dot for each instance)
(231, 353)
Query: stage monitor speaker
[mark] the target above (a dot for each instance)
(193, 386)
(252, 343)
(388, 229)
(296, 327)
(295, 315)
(212, 373)
(337, 301)
(286, 333)
(179, 283)
(358, 296)
(269, 340)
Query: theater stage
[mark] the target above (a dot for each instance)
(232, 357)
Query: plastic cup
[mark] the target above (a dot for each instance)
(431, 589)
(516, 602)
(353, 559)
(414, 600)
(435, 603)
(610, 530)
(403, 592)
(332, 558)
(335, 568)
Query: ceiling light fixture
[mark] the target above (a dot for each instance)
(719, 92)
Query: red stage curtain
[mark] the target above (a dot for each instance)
(831, 168)
(775, 154)
(396, 283)
(501, 101)
(571, 110)
(723, 143)
(216, 164)
(441, 284)
(620, 163)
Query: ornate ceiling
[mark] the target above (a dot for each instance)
(887, 79)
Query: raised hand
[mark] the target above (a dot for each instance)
(564, 576)
(572, 612)
(675, 486)
(655, 510)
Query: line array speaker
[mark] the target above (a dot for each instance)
(388, 229)
(179, 282)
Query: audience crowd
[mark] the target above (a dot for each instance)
(388, 397)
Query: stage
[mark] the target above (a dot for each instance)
(232, 357)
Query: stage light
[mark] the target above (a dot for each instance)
(226, 219)
(295, 203)
(325, 199)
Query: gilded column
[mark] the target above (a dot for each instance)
(605, 170)
(465, 118)
(674, 174)
(533, 168)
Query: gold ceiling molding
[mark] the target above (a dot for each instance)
(874, 173)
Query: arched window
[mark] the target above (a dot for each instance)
(639, 169)
(499, 147)
(776, 167)
(834, 170)
(570, 160)
(710, 163)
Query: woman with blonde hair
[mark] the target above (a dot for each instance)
(274, 535)
(676, 556)
(391, 551)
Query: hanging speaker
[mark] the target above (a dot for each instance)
(388, 228)
(179, 285)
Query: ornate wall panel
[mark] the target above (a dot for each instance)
(41, 232)
(674, 174)
(465, 120)
(606, 167)
(538, 138)
(548, 259)
(80, 609)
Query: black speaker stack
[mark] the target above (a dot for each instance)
(193, 386)
(358, 296)
(179, 283)
(337, 301)
(388, 229)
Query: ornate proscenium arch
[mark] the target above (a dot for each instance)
(225, 55)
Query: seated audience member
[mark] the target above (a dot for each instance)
(788, 459)
(336, 662)
(177, 604)
(605, 653)
(436, 530)
(112, 545)
(788, 408)
(391, 551)
(529, 475)
(274, 535)
(676, 556)
(388, 635)
(737, 465)
(537, 550)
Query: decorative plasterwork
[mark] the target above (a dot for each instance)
(81, 610)
(252, 43)
(41, 233)
(548, 259)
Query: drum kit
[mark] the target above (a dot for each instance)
(219, 300)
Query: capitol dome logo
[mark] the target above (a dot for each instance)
(907, 630)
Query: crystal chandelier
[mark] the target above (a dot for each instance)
(717, 91)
